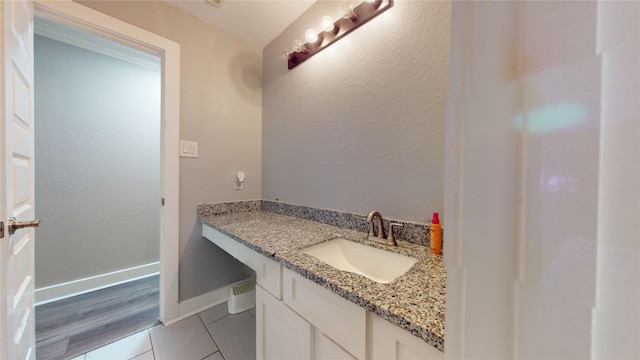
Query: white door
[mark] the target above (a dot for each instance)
(17, 249)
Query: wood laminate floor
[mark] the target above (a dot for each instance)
(76, 325)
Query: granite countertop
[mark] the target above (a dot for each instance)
(414, 301)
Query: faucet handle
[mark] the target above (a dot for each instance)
(391, 237)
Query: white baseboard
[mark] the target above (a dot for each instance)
(200, 303)
(76, 287)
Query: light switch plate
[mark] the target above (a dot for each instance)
(188, 149)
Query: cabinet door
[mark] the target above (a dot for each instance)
(391, 342)
(326, 349)
(280, 332)
(342, 320)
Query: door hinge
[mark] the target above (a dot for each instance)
(1, 229)
(162, 201)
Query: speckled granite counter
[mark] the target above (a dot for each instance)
(415, 301)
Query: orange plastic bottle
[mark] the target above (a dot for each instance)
(435, 235)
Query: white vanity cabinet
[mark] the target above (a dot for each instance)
(391, 342)
(325, 348)
(338, 320)
(280, 332)
(313, 323)
(269, 275)
(299, 319)
(309, 323)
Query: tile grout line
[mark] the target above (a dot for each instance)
(151, 342)
(144, 352)
(152, 347)
(218, 319)
(210, 336)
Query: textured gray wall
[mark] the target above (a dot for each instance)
(98, 163)
(360, 125)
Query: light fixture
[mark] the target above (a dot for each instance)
(297, 46)
(311, 35)
(347, 11)
(374, 3)
(327, 24)
(351, 17)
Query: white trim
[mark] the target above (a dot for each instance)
(81, 286)
(96, 43)
(202, 302)
(80, 16)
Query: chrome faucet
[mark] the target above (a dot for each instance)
(380, 237)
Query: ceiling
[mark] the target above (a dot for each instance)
(257, 21)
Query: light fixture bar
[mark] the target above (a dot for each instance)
(359, 15)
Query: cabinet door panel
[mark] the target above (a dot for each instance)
(326, 349)
(342, 320)
(391, 342)
(280, 332)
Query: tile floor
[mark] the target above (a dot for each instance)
(213, 334)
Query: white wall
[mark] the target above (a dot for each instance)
(360, 125)
(98, 171)
(542, 195)
(220, 108)
(616, 317)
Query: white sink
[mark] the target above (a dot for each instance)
(378, 265)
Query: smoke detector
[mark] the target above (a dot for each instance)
(216, 3)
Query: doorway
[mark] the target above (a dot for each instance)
(97, 143)
(82, 18)
(17, 287)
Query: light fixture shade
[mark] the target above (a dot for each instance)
(327, 23)
(346, 10)
(311, 35)
(297, 45)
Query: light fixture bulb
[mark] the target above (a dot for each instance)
(347, 11)
(375, 3)
(311, 35)
(327, 23)
(297, 45)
